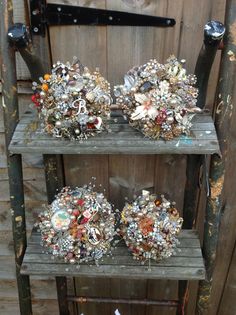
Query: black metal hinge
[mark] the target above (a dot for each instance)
(43, 14)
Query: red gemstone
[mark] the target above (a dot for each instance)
(76, 212)
(84, 220)
(90, 126)
(33, 98)
(80, 202)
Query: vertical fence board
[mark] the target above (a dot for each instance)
(227, 305)
(128, 175)
(78, 172)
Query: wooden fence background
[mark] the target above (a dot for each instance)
(115, 50)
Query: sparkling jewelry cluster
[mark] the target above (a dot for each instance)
(159, 99)
(150, 226)
(78, 226)
(73, 102)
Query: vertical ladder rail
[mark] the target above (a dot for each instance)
(18, 35)
(213, 34)
(216, 202)
(14, 163)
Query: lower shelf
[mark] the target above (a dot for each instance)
(187, 264)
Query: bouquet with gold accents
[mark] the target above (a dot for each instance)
(78, 226)
(159, 99)
(73, 102)
(149, 227)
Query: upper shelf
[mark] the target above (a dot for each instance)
(122, 139)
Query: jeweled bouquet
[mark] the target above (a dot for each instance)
(150, 226)
(73, 102)
(78, 226)
(159, 99)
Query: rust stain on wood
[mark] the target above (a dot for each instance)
(232, 32)
(216, 187)
(205, 296)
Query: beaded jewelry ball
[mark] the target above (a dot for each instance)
(159, 99)
(149, 227)
(78, 226)
(73, 102)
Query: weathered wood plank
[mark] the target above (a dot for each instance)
(120, 259)
(130, 141)
(119, 265)
(171, 273)
(40, 307)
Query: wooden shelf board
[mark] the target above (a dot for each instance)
(122, 139)
(186, 264)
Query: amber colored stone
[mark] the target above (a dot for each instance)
(146, 225)
(174, 211)
(145, 247)
(157, 202)
(47, 76)
(45, 87)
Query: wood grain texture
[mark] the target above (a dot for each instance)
(227, 304)
(75, 175)
(128, 176)
(180, 266)
(123, 139)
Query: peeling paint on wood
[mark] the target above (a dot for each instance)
(216, 187)
(232, 32)
(231, 55)
(18, 219)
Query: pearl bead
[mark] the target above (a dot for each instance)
(77, 131)
(58, 123)
(65, 97)
(42, 94)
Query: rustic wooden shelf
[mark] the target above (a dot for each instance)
(122, 139)
(187, 264)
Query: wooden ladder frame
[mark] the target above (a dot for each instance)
(55, 180)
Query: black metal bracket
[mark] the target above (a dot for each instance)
(43, 14)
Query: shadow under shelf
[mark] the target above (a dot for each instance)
(123, 139)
